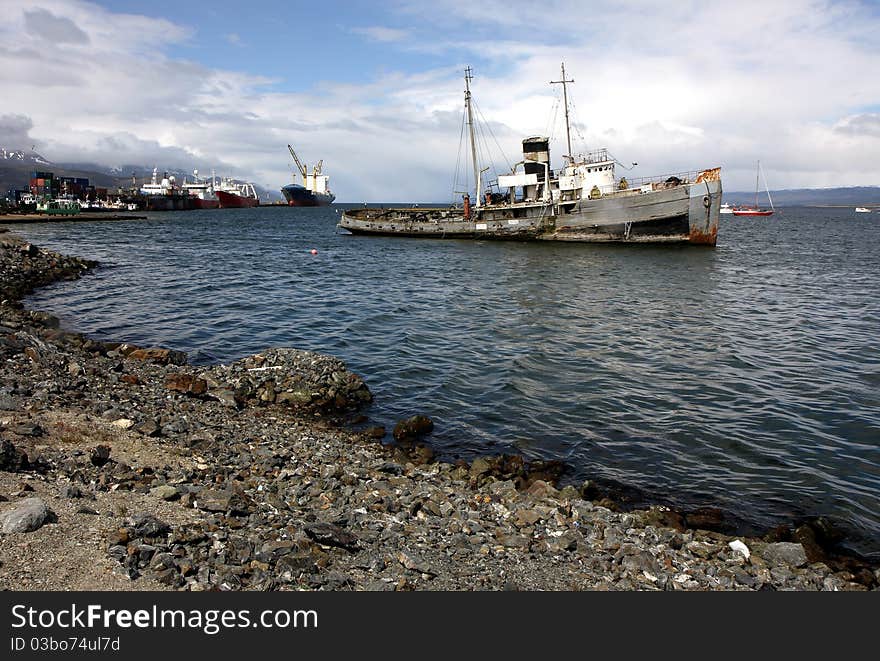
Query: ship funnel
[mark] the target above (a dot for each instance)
(536, 153)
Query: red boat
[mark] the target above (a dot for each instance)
(749, 211)
(237, 196)
(201, 192)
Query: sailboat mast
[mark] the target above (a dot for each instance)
(565, 100)
(470, 120)
(767, 188)
(757, 174)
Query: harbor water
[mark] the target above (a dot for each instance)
(745, 377)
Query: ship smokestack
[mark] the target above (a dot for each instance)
(536, 153)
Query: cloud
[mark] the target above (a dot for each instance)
(234, 39)
(660, 84)
(866, 124)
(47, 26)
(382, 34)
(14, 131)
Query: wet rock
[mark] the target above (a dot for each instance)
(158, 356)
(391, 468)
(25, 516)
(299, 379)
(413, 429)
(45, 319)
(479, 467)
(541, 489)
(705, 518)
(787, 553)
(189, 384)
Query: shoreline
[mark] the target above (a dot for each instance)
(163, 475)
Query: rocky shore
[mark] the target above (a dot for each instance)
(124, 468)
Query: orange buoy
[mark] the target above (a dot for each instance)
(314, 252)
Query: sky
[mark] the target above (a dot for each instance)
(375, 89)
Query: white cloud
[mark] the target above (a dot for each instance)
(383, 34)
(674, 86)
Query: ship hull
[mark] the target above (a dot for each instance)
(167, 203)
(299, 196)
(686, 213)
(200, 203)
(233, 201)
(751, 212)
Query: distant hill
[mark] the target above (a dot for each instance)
(853, 196)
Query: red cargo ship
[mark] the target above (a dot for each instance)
(236, 196)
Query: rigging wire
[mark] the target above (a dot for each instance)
(550, 129)
(455, 179)
(483, 147)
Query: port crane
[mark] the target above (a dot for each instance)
(299, 164)
(302, 166)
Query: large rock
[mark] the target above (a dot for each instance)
(26, 516)
(414, 428)
(288, 377)
(223, 500)
(159, 356)
(11, 458)
(189, 384)
(146, 525)
(785, 553)
(329, 534)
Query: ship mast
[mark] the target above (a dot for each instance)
(468, 77)
(565, 98)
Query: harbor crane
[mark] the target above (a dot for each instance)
(300, 165)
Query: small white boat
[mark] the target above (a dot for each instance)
(862, 210)
(726, 208)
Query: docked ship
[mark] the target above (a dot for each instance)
(164, 195)
(584, 201)
(233, 195)
(314, 191)
(201, 192)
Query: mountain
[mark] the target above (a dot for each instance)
(852, 196)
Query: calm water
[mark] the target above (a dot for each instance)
(745, 377)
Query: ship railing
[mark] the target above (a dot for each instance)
(684, 177)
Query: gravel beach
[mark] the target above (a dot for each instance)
(125, 468)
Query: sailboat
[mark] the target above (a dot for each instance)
(756, 210)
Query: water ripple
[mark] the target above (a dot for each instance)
(746, 377)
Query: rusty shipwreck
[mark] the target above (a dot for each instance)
(583, 201)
